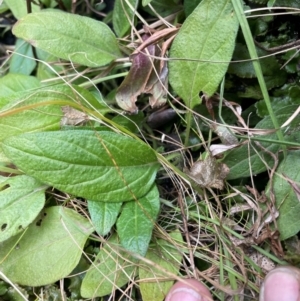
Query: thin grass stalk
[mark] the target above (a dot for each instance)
(231, 276)
(238, 8)
(222, 278)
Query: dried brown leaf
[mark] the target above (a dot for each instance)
(208, 173)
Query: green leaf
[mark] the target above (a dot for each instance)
(206, 36)
(13, 83)
(288, 3)
(167, 257)
(123, 16)
(48, 250)
(286, 191)
(137, 220)
(103, 215)
(130, 122)
(271, 69)
(239, 159)
(22, 60)
(21, 200)
(78, 95)
(3, 7)
(72, 37)
(100, 166)
(189, 6)
(43, 117)
(19, 8)
(146, 2)
(163, 8)
(111, 269)
(289, 94)
(44, 71)
(19, 114)
(271, 3)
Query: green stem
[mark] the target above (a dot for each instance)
(102, 79)
(231, 276)
(270, 141)
(188, 128)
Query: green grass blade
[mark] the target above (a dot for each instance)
(237, 4)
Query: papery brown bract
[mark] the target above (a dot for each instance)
(208, 173)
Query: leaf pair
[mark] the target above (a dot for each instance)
(203, 46)
(135, 223)
(199, 57)
(28, 107)
(103, 166)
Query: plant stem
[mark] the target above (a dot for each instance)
(237, 4)
(188, 128)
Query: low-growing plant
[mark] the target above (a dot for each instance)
(155, 141)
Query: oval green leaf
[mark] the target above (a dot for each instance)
(137, 220)
(251, 160)
(286, 190)
(100, 166)
(202, 50)
(111, 269)
(146, 2)
(22, 60)
(103, 215)
(19, 8)
(163, 255)
(72, 37)
(22, 109)
(19, 116)
(14, 83)
(49, 250)
(123, 16)
(21, 200)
